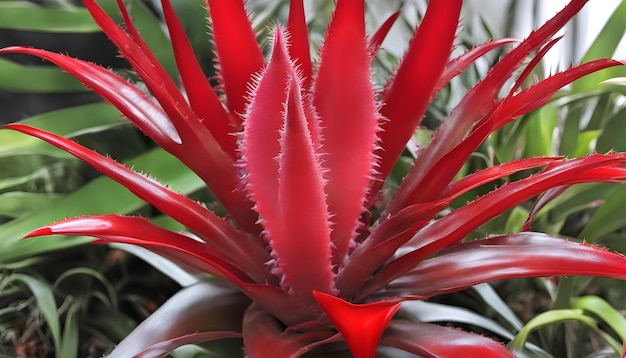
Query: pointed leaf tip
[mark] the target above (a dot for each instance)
(42, 231)
(361, 325)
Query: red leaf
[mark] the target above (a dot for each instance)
(161, 349)
(381, 33)
(344, 98)
(179, 316)
(452, 228)
(526, 254)
(459, 64)
(133, 103)
(301, 238)
(299, 47)
(361, 325)
(478, 102)
(409, 92)
(264, 336)
(139, 231)
(396, 230)
(182, 209)
(429, 340)
(204, 102)
(239, 55)
(261, 137)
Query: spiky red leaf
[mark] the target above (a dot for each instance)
(182, 209)
(301, 238)
(299, 47)
(452, 228)
(459, 64)
(527, 254)
(344, 98)
(162, 348)
(139, 231)
(238, 53)
(381, 33)
(264, 336)
(410, 90)
(179, 316)
(478, 102)
(202, 98)
(428, 340)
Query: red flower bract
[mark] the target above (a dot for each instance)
(299, 248)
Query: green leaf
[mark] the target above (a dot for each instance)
(17, 204)
(602, 309)
(539, 130)
(612, 136)
(45, 300)
(608, 217)
(101, 195)
(546, 319)
(36, 79)
(604, 47)
(21, 15)
(151, 30)
(68, 122)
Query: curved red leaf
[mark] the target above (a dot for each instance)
(129, 100)
(182, 209)
(179, 316)
(459, 64)
(139, 231)
(452, 228)
(264, 336)
(429, 340)
(527, 254)
(163, 348)
(381, 33)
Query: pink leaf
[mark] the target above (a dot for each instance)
(408, 93)
(429, 340)
(261, 137)
(285, 178)
(301, 239)
(344, 98)
(361, 325)
(239, 55)
(527, 254)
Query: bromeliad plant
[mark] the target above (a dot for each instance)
(297, 154)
